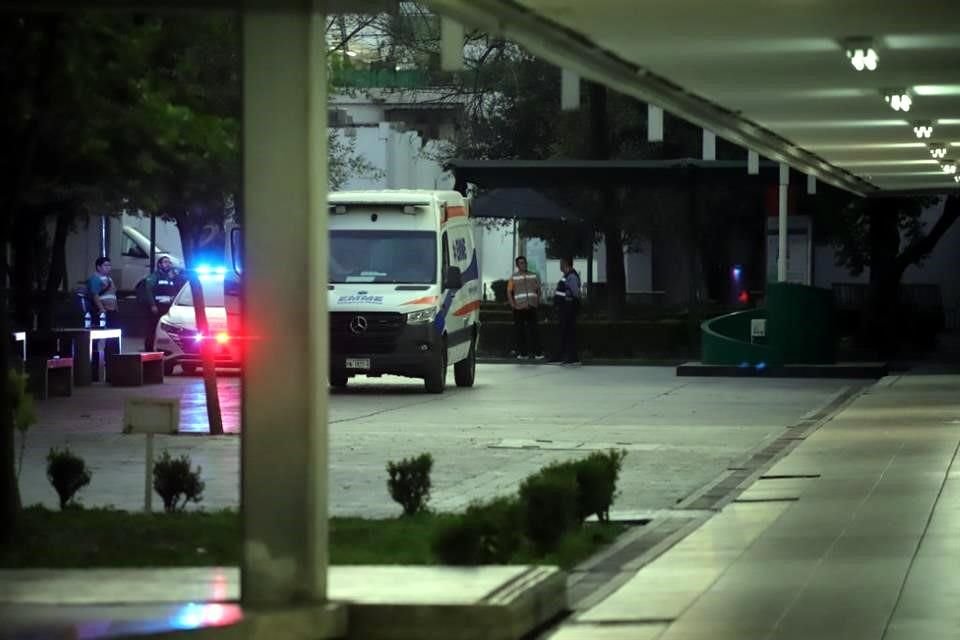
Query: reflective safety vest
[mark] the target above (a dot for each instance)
(526, 289)
(165, 289)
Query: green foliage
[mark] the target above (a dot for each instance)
(67, 473)
(499, 290)
(409, 482)
(845, 222)
(176, 483)
(23, 412)
(488, 533)
(549, 502)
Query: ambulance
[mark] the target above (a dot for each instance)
(404, 287)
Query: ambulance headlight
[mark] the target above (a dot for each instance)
(423, 316)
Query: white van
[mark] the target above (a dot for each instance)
(404, 292)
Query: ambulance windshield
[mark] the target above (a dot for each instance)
(394, 257)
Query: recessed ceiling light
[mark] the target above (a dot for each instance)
(949, 166)
(938, 150)
(898, 99)
(861, 53)
(923, 128)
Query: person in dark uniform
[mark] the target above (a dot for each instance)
(156, 295)
(566, 300)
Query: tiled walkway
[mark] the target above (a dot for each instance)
(855, 534)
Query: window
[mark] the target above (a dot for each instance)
(212, 294)
(131, 249)
(446, 254)
(388, 256)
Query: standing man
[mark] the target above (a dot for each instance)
(523, 292)
(103, 293)
(156, 295)
(566, 299)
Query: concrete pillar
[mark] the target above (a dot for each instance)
(753, 163)
(569, 90)
(782, 229)
(709, 145)
(654, 123)
(451, 45)
(284, 441)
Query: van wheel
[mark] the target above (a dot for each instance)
(168, 367)
(188, 369)
(338, 379)
(436, 380)
(465, 371)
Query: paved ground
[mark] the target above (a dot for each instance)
(680, 433)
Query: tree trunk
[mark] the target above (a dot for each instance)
(9, 491)
(26, 230)
(187, 238)
(616, 274)
(609, 209)
(57, 272)
(882, 309)
(207, 345)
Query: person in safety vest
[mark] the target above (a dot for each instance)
(566, 300)
(157, 293)
(523, 292)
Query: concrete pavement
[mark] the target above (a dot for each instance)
(680, 434)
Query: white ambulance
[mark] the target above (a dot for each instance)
(404, 292)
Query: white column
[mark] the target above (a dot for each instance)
(782, 229)
(811, 185)
(654, 123)
(284, 400)
(753, 162)
(569, 90)
(451, 45)
(709, 145)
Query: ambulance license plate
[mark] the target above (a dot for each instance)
(358, 363)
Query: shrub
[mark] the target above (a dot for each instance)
(67, 473)
(499, 290)
(549, 503)
(597, 477)
(22, 408)
(488, 533)
(176, 483)
(409, 482)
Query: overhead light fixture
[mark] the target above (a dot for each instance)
(861, 54)
(949, 166)
(923, 128)
(956, 178)
(938, 150)
(898, 99)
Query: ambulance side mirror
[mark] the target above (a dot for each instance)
(453, 279)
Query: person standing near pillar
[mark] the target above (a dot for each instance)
(523, 292)
(566, 300)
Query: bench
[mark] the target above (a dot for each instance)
(50, 377)
(135, 369)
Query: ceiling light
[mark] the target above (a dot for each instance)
(956, 178)
(898, 99)
(938, 150)
(949, 166)
(923, 128)
(861, 54)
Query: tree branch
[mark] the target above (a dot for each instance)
(926, 243)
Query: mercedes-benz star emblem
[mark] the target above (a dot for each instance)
(358, 324)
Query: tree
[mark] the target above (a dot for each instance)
(885, 235)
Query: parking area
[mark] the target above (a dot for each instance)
(680, 433)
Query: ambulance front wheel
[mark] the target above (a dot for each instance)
(465, 371)
(436, 379)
